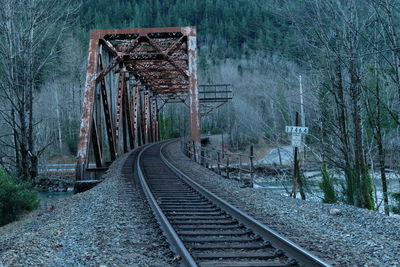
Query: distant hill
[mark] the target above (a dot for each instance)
(226, 28)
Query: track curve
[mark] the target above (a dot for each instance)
(205, 230)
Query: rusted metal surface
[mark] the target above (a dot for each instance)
(154, 119)
(128, 112)
(119, 110)
(136, 115)
(87, 110)
(146, 116)
(193, 91)
(163, 61)
(107, 114)
(96, 145)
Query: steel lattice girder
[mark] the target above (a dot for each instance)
(147, 64)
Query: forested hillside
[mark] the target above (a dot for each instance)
(241, 25)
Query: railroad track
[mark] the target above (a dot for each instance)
(205, 230)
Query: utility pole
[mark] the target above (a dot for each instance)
(295, 163)
(303, 118)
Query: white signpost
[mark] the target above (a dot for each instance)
(297, 133)
(296, 140)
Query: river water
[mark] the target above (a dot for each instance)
(314, 193)
(47, 199)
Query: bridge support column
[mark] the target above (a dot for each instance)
(87, 109)
(193, 92)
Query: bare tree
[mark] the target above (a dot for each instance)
(30, 34)
(333, 31)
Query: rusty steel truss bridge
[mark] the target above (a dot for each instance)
(131, 75)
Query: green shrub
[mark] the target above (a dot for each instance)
(15, 199)
(396, 208)
(327, 186)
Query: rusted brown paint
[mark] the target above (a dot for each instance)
(146, 117)
(119, 110)
(154, 118)
(141, 31)
(107, 114)
(96, 145)
(135, 115)
(88, 102)
(109, 68)
(193, 89)
(110, 48)
(128, 112)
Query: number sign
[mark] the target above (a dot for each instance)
(297, 129)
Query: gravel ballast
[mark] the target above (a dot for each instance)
(342, 235)
(109, 225)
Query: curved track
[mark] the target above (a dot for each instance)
(204, 229)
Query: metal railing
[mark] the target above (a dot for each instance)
(215, 92)
(222, 162)
(57, 167)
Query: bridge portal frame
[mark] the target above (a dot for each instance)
(152, 64)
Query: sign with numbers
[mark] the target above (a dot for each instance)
(297, 129)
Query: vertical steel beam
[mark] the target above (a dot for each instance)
(193, 89)
(149, 119)
(87, 109)
(98, 116)
(135, 115)
(124, 120)
(107, 114)
(95, 140)
(157, 123)
(146, 117)
(141, 112)
(119, 110)
(154, 118)
(129, 114)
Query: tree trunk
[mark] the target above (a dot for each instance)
(58, 119)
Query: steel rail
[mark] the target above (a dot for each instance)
(172, 236)
(290, 248)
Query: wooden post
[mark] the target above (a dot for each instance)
(202, 158)
(193, 151)
(227, 166)
(207, 163)
(219, 162)
(251, 166)
(210, 160)
(240, 167)
(295, 163)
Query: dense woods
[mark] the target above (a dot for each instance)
(345, 51)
